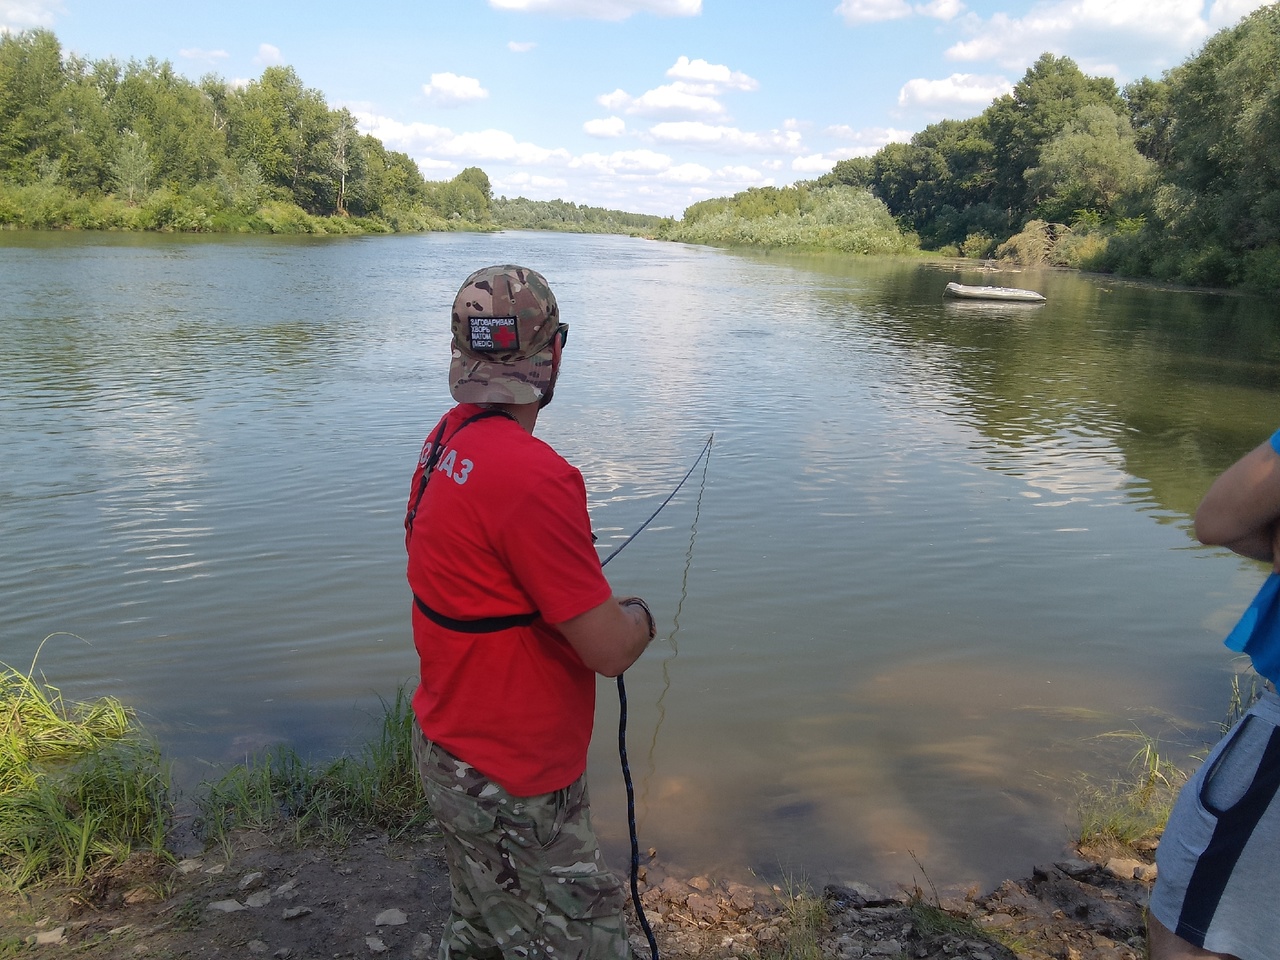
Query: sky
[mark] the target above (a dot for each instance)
(646, 106)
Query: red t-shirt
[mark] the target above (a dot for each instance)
(503, 530)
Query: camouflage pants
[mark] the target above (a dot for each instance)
(526, 875)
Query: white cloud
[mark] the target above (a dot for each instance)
(19, 15)
(713, 75)
(1225, 13)
(871, 11)
(740, 175)
(1151, 35)
(451, 90)
(874, 11)
(674, 98)
(268, 55)
(614, 101)
(869, 139)
(671, 99)
(687, 173)
(941, 9)
(522, 182)
(409, 138)
(623, 162)
(608, 127)
(439, 148)
(603, 9)
(203, 56)
(694, 92)
(960, 90)
(520, 46)
(500, 146)
(814, 163)
(696, 134)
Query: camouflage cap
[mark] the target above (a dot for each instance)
(505, 319)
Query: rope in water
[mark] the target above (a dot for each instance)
(622, 723)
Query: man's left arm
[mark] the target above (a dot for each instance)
(609, 638)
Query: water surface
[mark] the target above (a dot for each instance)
(939, 551)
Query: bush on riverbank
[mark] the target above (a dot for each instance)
(841, 218)
(53, 206)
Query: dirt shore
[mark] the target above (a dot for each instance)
(379, 898)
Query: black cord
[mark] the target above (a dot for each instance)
(622, 722)
(631, 818)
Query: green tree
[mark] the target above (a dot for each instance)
(90, 138)
(853, 172)
(132, 167)
(1151, 117)
(1090, 165)
(1226, 138)
(32, 129)
(174, 117)
(345, 145)
(287, 130)
(1050, 94)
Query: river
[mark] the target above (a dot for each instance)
(938, 554)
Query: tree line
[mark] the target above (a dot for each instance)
(1175, 179)
(100, 144)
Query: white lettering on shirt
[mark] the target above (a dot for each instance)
(448, 463)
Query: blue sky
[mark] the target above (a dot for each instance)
(640, 105)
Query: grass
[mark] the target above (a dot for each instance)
(325, 803)
(1133, 808)
(83, 789)
(931, 919)
(80, 787)
(806, 916)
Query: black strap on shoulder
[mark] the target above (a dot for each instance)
(480, 625)
(437, 448)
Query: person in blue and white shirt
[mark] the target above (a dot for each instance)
(1219, 858)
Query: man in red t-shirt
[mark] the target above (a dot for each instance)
(513, 618)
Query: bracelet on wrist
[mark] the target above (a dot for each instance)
(637, 602)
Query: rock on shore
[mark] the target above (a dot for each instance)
(378, 897)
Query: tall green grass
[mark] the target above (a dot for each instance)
(1134, 809)
(325, 802)
(80, 786)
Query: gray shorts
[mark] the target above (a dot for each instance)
(1219, 858)
(526, 875)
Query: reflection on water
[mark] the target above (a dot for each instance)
(938, 551)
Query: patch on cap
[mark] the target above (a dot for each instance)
(494, 334)
(504, 323)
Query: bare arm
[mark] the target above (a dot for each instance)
(610, 637)
(1242, 506)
